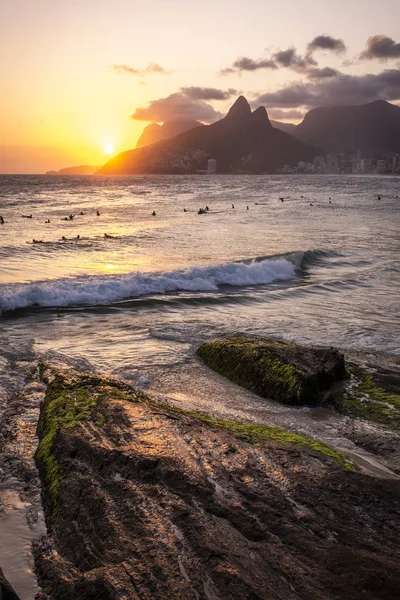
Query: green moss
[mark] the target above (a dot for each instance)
(363, 398)
(254, 434)
(65, 407)
(251, 365)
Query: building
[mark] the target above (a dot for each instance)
(211, 165)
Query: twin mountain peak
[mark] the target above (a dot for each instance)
(243, 141)
(247, 142)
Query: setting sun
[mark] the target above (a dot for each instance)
(109, 149)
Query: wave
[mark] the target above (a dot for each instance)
(104, 289)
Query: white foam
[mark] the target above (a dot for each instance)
(103, 289)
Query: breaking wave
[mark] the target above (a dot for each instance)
(104, 289)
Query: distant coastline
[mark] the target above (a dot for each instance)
(79, 170)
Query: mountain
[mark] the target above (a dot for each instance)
(372, 128)
(288, 127)
(240, 142)
(156, 133)
(79, 170)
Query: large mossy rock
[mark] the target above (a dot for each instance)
(284, 372)
(146, 501)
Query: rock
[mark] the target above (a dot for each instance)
(284, 372)
(187, 517)
(6, 591)
(372, 394)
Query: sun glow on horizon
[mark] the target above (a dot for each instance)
(109, 149)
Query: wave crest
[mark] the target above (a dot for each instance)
(104, 289)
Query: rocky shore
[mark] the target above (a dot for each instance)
(144, 500)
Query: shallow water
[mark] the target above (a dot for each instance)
(137, 305)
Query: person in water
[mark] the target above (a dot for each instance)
(1, 220)
(153, 213)
(97, 213)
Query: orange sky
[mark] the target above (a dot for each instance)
(62, 102)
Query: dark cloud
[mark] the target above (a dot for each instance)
(381, 47)
(342, 89)
(326, 42)
(202, 93)
(325, 73)
(283, 58)
(248, 64)
(175, 107)
(151, 68)
(296, 94)
(291, 60)
(227, 71)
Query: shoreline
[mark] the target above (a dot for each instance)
(219, 442)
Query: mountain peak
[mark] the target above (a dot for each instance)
(260, 117)
(240, 108)
(155, 133)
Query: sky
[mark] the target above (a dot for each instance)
(79, 76)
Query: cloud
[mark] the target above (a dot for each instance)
(342, 89)
(227, 71)
(381, 47)
(248, 64)
(291, 60)
(202, 93)
(175, 107)
(126, 70)
(283, 58)
(326, 42)
(154, 68)
(325, 73)
(278, 113)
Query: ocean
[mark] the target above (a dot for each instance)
(320, 267)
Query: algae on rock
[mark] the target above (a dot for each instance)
(362, 397)
(283, 372)
(66, 405)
